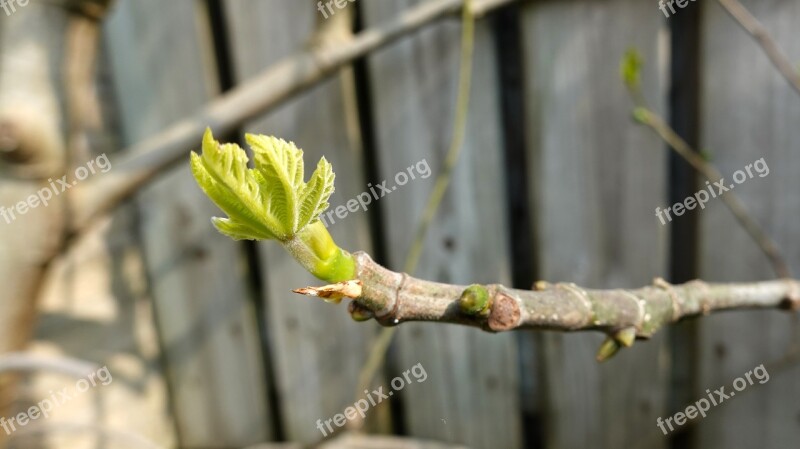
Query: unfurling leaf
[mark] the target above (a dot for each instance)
(269, 201)
(272, 200)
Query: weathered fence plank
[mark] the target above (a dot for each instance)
(317, 349)
(160, 52)
(596, 178)
(749, 112)
(471, 394)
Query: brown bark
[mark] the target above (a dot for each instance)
(393, 298)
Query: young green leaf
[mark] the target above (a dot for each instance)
(222, 173)
(316, 193)
(272, 201)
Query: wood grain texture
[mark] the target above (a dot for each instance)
(164, 70)
(750, 112)
(471, 394)
(596, 178)
(318, 350)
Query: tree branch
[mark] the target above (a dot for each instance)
(750, 24)
(280, 82)
(392, 298)
(397, 297)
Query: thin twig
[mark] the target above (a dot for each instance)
(377, 353)
(732, 201)
(750, 24)
(630, 71)
(456, 142)
(24, 361)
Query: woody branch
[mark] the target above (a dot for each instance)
(392, 298)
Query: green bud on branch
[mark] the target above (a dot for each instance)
(475, 300)
(626, 337)
(608, 349)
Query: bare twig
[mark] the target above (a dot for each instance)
(456, 142)
(23, 361)
(143, 162)
(760, 34)
(732, 201)
(630, 69)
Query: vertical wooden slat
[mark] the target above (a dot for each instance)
(161, 56)
(596, 178)
(318, 349)
(749, 112)
(471, 394)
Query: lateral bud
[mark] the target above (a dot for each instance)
(359, 313)
(475, 300)
(626, 337)
(608, 349)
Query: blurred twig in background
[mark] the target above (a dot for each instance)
(377, 354)
(750, 24)
(630, 68)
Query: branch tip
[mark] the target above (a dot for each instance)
(334, 293)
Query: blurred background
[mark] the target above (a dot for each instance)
(207, 345)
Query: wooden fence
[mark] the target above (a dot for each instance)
(555, 182)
